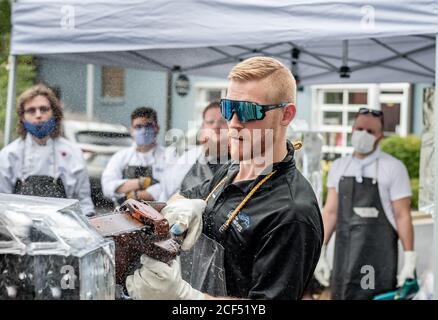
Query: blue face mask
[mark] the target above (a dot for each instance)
(40, 130)
(145, 136)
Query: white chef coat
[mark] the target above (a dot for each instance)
(57, 158)
(159, 158)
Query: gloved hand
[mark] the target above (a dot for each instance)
(408, 270)
(185, 214)
(322, 270)
(156, 280)
(144, 182)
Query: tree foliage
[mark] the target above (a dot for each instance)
(26, 73)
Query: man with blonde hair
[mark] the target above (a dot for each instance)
(258, 206)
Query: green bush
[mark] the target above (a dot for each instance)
(25, 65)
(406, 149)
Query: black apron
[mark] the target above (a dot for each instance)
(135, 172)
(40, 185)
(363, 239)
(200, 171)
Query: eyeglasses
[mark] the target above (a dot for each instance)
(33, 110)
(375, 113)
(147, 125)
(245, 110)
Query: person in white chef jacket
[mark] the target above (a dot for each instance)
(41, 162)
(201, 162)
(135, 172)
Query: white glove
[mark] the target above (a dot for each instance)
(322, 270)
(408, 270)
(185, 214)
(156, 280)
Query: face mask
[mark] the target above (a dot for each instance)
(362, 141)
(145, 136)
(40, 130)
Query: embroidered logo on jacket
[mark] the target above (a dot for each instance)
(242, 221)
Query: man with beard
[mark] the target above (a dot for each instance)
(258, 206)
(201, 162)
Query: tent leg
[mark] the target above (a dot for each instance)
(90, 92)
(169, 101)
(10, 102)
(435, 197)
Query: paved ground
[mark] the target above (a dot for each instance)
(423, 244)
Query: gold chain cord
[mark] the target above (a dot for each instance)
(215, 188)
(226, 225)
(296, 145)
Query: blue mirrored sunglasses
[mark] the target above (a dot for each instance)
(246, 110)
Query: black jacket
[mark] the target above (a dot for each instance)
(273, 245)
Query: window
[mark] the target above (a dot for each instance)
(207, 92)
(358, 97)
(332, 118)
(335, 107)
(214, 95)
(113, 83)
(333, 97)
(351, 117)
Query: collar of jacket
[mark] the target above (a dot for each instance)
(285, 165)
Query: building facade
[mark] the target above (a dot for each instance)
(328, 109)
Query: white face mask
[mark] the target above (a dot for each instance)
(362, 141)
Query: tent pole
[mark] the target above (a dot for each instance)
(169, 100)
(435, 196)
(90, 92)
(10, 102)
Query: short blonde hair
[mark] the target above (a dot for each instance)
(282, 85)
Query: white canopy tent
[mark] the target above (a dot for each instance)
(208, 37)
(322, 41)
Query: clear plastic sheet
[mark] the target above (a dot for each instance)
(203, 266)
(308, 159)
(427, 173)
